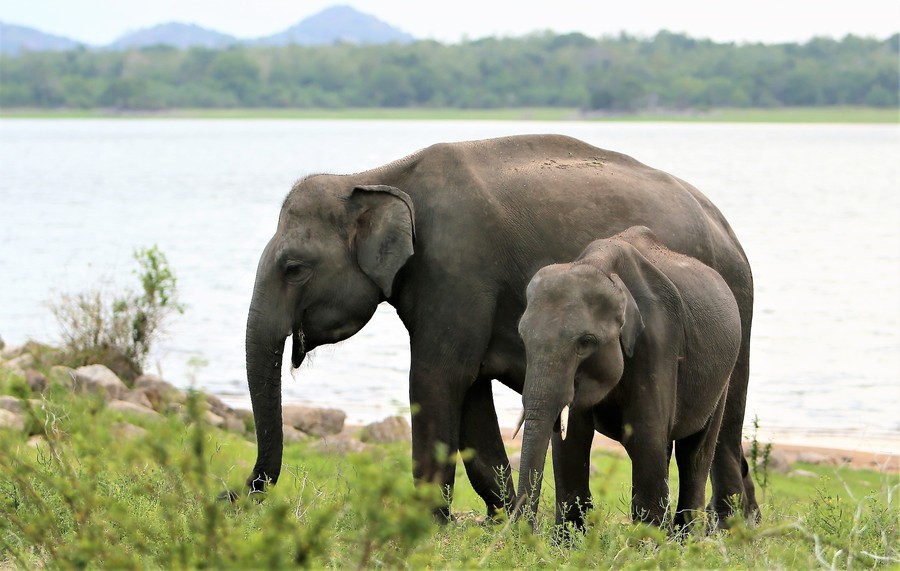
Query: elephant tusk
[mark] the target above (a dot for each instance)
(564, 421)
(519, 423)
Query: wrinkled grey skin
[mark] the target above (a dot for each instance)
(450, 236)
(639, 343)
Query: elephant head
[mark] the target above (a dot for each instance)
(332, 260)
(579, 325)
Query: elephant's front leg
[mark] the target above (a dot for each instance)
(571, 469)
(435, 436)
(439, 381)
(488, 465)
(649, 453)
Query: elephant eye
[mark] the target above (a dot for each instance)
(586, 343)
(296, 272)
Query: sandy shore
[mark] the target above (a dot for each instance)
(872, 455)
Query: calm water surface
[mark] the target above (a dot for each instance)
(817, 208)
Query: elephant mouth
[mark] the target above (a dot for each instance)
(561, 425)
(298, 348)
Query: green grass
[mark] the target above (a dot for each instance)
(775, 115)
(86, 497)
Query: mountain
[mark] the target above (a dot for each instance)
(335, 24)
(338, 24)
(15, 39)
(174, 34)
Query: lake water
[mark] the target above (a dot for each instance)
(817, 208)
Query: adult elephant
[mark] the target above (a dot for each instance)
(450, 236)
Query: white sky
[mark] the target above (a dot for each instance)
(768, 21)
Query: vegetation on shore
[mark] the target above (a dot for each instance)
(570, 71)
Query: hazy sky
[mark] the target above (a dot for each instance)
(101, 21)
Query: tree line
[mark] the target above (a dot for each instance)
(624, 73)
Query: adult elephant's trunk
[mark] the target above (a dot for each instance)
(543, 402)
(265, 348)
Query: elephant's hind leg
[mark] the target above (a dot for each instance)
(732, 488)
(694, 455)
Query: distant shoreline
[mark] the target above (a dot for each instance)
(850, 115)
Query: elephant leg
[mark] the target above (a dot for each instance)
(694, 455)
(439, 381)
(732, 488)
(649, 477)
(488, 467)
(435, 442)
(571, 470)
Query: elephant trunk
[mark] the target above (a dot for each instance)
(542, 409)
(265, 349)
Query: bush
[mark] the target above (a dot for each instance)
(119, 331)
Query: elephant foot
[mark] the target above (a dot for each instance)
(724, 513)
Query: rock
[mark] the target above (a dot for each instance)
(314, 421)
(22, 362)
(99, 378)
(213, 419)
(13, 371)
(802, 474)
(814, 458)
(139, 398)
(778, 462)
(128, 430)
(291, 434)
(159, 392)
(12, 420)
(64, 376)
(130, 407)
(216, 405)
(37, 382)
(234, 424)
(391, 429)
(12, 404)
(12, 351)
(341, 445)
(36, 441)
(167, 389)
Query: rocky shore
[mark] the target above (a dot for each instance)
(151, 396)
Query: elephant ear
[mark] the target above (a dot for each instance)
(634, 322)
(385, 232)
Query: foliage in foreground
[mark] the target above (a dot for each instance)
(86, 496)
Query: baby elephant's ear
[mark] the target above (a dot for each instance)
(634, 323)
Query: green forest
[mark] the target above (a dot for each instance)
(614, 74)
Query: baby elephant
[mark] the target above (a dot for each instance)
(637, 342)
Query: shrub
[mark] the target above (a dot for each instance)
(119, 330)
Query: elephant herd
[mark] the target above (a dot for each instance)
(614, 297)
